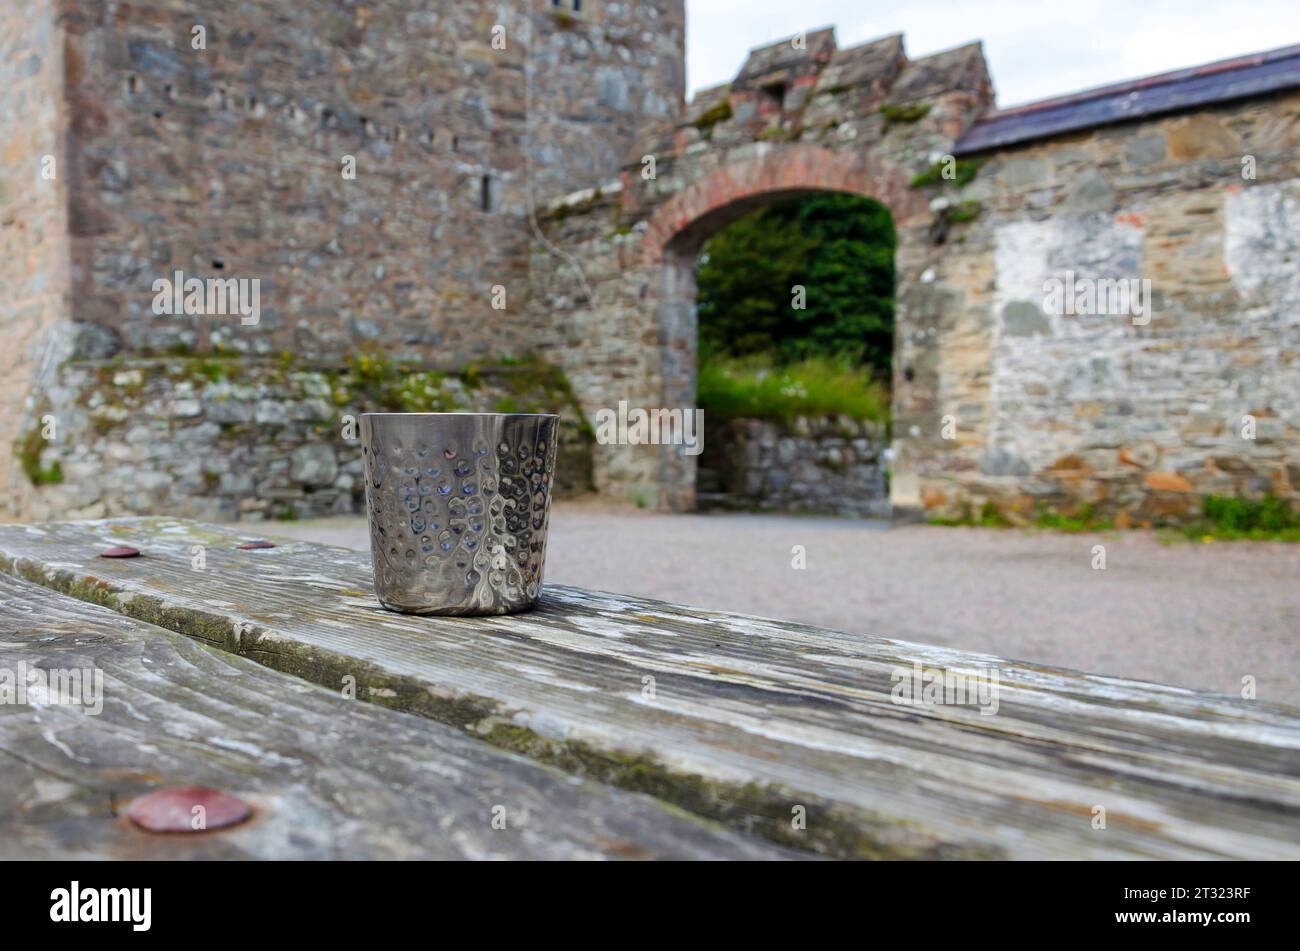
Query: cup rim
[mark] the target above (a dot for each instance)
(493, 415)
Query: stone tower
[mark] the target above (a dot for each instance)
(372, 167)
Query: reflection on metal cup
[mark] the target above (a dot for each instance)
(458, 506)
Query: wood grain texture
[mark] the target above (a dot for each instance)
(328, 777)
(750, 720)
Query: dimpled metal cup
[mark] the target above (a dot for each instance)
(458, 505)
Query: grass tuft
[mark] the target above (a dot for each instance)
(818, 386)
(1224, 518)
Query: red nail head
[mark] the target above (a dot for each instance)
(175, 810)
(249, 546)
(119, 551)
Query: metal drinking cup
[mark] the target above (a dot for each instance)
(458, 506)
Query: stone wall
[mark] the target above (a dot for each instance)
(227, 162)
(33, 219)
(830, 465)
(226, 152)
(224, 437)
(1132, 420)
(614, 285)
(590, 316)
(601, 77)
(997, 397)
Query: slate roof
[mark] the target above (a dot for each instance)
(1237, 78)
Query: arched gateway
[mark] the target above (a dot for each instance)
(1181, 189)
(680, 226)
(802, 117)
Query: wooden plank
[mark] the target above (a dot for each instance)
(328, 777)
(750, 721)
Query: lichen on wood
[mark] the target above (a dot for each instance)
(327, 776)
(749, 720)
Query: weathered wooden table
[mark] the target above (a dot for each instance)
(595, 726)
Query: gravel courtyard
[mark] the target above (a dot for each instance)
(1198, 615)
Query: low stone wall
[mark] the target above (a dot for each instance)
(830, 465)
(228, 438)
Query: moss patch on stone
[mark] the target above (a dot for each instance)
(531, 385)
(711, 116)
(904, 114)
(373, 382)
(964, 212)
(581, 206)
(28, 449)
(988, 516)
(423, 392)
(1223, 518)
(963, 173)
(368, 381)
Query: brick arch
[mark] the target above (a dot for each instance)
(682, 223)
(679, 227)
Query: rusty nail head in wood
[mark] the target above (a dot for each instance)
(187, 809)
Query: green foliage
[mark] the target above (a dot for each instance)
(532, 386)
(1222, 519)
(383, 385)
(374, 377)
(964, 172)
(840, 248)
(1233, 519)
(817, 386)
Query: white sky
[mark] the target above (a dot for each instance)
(1035, 48)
